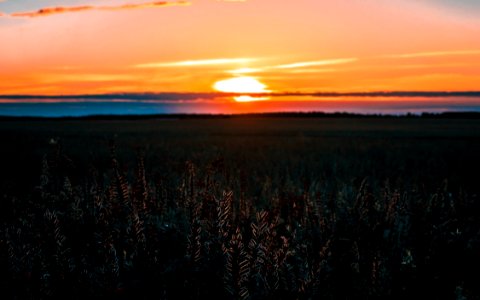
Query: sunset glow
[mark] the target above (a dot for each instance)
(59, 47)
(250, 99)
(240, 85)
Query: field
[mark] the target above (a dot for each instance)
(245, 207)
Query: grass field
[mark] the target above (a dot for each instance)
(241, 207)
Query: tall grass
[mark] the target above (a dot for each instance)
(127, 233)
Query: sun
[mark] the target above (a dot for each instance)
(250, 98)
(240, 85)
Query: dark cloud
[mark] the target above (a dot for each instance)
(391, 94)
(214, 103)
(160, 97)
(186, 97)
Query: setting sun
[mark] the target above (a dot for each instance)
(249, 98)
(240, 85)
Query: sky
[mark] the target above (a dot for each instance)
(79, 47)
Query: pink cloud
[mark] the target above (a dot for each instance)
(67, 9)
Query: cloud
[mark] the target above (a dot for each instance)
(67, 9)
(46, 78)
(245, 71)
(298, 67)
(123, 97)
(434, 54)
(194, 63)
(175, 97)
(313, 71)
(317, 63)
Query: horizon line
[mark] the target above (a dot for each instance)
(157, 95)
(285, 114)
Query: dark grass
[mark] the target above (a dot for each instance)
(251, 206)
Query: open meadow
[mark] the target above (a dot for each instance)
(242, 207)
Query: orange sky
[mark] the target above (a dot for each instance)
(109, 46)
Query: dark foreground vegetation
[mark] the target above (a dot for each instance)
(244, 208)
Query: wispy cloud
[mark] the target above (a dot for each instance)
(245, 71)
(297, 67)
(195, 63)
(326, 62)
(314, 71)
(434, 54)
(68, 9)
(86, 77)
